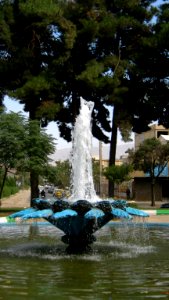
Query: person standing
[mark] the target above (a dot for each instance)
(128, 193)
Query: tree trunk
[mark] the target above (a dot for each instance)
(34, 182)
(112, 154)
(153, 192)
(34, 177)
(3, 183)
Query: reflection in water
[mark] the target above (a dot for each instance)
(118, 267)
(33, 231)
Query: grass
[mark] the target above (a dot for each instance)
(10, 209)
(9, 190)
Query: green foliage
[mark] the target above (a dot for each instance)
(63, 173)
(47, 107)
(10, 187)
(33, 87)
(118, 174)
(59, 175)
(150, 157)
(91, 73)
(11, 139)
(24, 146)
(38, 145)
(40, 7)
(96, 171)
(9, 190)
(123, 60)
(37, 36)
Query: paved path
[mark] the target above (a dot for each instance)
(20, 200)
(158, 219)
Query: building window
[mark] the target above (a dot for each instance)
(162, 132)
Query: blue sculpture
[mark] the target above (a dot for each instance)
(78, 220)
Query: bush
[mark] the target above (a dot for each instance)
(10, 187)
(9, 190)
(132, 204)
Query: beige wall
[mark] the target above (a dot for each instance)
(142, 190)
(104, 181)
(154, 132)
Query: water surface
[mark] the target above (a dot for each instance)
(126, 262)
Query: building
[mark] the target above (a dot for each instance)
(102, 186)
(155, 132)
(142, 183)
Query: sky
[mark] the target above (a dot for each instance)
(13, 105)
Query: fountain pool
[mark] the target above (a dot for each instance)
(122, 264)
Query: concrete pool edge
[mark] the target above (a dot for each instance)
(155, 212)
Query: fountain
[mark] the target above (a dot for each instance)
(84, 212)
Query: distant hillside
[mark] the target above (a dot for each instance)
(64, 154)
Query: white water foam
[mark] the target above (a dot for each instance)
(82, 186)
